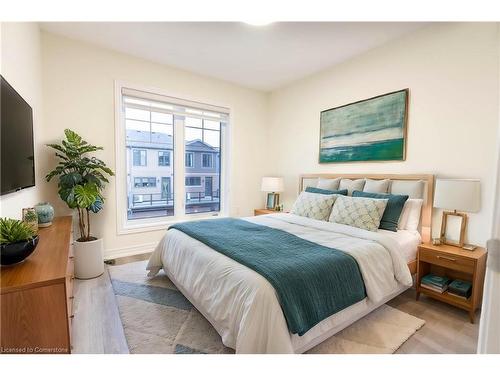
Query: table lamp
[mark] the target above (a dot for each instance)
(272, 186)
(456, 195)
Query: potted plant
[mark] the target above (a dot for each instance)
(18, 240)
(81, 181)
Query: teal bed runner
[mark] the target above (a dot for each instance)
(312, 281)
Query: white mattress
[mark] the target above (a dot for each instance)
(408, 242)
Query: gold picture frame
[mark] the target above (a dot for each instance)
(358, 117)
(453, 236)
(272, 201)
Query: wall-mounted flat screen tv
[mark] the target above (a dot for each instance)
(16, 133)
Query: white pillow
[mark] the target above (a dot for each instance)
(376, 186)
(363, 213)
(351, 185)
(314, 206)
(328, 183)
(410, 216)
(414, 189)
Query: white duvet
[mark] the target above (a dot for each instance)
(242, 305)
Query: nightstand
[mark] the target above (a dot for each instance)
(454, 263)
(263, 211)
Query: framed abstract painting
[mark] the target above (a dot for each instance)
(368, 130)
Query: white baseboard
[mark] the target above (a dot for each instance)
(129, 250)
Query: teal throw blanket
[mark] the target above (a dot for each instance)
(312, 281)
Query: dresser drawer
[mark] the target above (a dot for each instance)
(447, 260)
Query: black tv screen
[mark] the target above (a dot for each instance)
(16, 133)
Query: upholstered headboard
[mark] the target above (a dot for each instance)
(401, 182)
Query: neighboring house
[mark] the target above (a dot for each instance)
(150, 183)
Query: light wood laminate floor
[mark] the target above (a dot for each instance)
(97, 326)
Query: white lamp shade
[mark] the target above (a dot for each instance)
(272, 184)
(460, 195)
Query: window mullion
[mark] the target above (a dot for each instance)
(179, 170)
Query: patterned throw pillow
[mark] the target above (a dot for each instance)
(314, 206)
(364, 213)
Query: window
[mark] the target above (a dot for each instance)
(206, 160)
(163, 158)
(202, 136)
(148, 125)
(144, 182)
(189, 159)
(140, 157)
(193, 181)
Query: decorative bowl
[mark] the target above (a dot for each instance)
(13, 253)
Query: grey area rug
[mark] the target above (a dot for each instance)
(157, 318)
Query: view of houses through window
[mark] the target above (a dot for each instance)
(150, 127)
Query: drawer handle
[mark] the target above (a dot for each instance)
(72, 316)
(71, 257)
(447, 258)
(72, 277)
(72, 297)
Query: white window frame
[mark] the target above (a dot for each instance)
(134, 149)
(125, 226)
(149, 179)
(169, 158)
(192, 159)
(211, 160)
(191, 186)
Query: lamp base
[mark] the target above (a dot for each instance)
(458, 219)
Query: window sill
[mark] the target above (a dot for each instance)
(164, 224)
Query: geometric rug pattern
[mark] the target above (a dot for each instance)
(157, 318)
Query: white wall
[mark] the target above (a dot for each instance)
(452, 73)
(20, 65)
(78, 93)
(495, 230)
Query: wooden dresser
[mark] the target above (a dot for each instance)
(37, 295)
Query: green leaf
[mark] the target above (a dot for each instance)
(70, 179)
(68, 195)
(97, 205)
(51, 175)
(57, 147)
(12, 231)
(72, 136)
(86, 194)
(88, 148)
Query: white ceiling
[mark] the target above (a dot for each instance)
(259, 57)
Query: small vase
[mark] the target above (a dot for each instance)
(45, 213)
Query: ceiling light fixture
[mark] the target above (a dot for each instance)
(258, 22)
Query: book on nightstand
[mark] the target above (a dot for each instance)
(460, 288)
(436, 283)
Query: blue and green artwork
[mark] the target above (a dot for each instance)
(369, 130)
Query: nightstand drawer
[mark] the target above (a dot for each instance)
(447, 260)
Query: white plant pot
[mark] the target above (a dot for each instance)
(89, 262)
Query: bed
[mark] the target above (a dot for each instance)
(243, 306)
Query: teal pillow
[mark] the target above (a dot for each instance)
(311, 189)
(392, 212)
